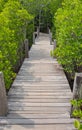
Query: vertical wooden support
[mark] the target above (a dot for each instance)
(50, 36)
(54, 45)
(21, 52)
(77, 88)
(34, 38)
(3, 97)
(49, 31)
(38, 31)
(26, 48)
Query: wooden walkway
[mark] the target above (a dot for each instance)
(40, 95)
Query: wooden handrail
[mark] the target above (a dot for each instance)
(26, 48)
(3, 97)
(38, 30)
(54, 44)
(50, 36)
(36, 33)
(77, 88)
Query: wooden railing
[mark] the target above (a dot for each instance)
(54, 44)
(77, 88)
(50, 36)
(36, 34)
(3, 97)
(52, 41)
(26, 44)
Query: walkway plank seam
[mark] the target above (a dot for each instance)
(40, 95)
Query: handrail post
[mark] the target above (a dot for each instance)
(3, 97)
(33, 37)
(26, 48)
(38, 31)
(50, 36)
(48, 29)
(77, 88)
(54, 45)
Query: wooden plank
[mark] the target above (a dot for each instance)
(24, 73)
(37, 116)
(36, 87)
(36, 112)
(41, 68)
(30, 63)
(52, 61)
(38, 72)
(36, 100)
(30, 90)
(50, 64)
(35, 121)
(43, 61)
(22, 82)
(40, 94)
(38, 127)
(38, 90)
(41, 108)
(42, 77)
(41, 71)
(39, 97)
(19, 104)
(41, 85)
(26, 90)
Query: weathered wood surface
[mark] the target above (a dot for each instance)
(38, 127)
(40, 95)
(26, 48)
(77, 88)
(3, 97)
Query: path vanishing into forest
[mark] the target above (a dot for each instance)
(40, 95)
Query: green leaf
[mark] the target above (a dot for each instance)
(77, 124)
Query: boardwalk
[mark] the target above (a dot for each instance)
(40, 95)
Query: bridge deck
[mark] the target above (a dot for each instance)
(40, 95)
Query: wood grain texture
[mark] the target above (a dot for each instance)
(40, 95)
(3, 97)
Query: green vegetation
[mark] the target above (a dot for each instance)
(78, 125)
(67, 30)
(68, 24)
(17, 20)
(13, 23)
(77, 108)
(77, 113)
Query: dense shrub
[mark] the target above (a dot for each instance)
(13, 23)
(68, 23)
(29, 33)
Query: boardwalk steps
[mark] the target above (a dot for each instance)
(40, 95)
